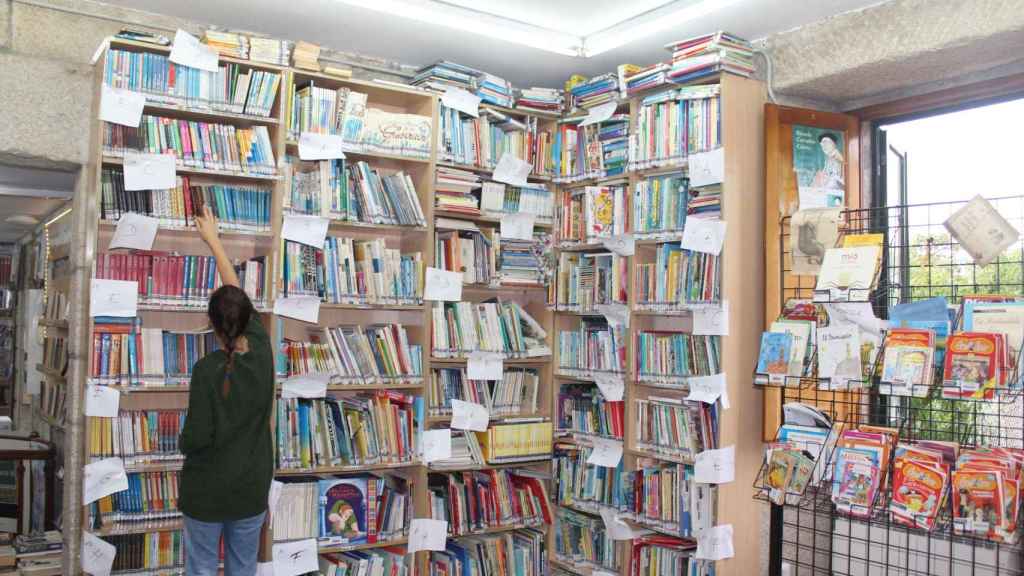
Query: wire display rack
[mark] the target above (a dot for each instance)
(810, 536)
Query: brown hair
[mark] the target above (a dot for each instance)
(229, 311)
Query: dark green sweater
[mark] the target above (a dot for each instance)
(227, 441)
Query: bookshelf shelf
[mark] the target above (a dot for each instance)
(116, 161)
(153, 466)
(369, 155)
(364, 387)
(324, 548)
(492, 530)
(483, 219)
(496, 466)
(193, 113)
(489, 170)
(343, 469)
(677, 458)
(372, 307)
(136, 46)
(50, 372)
(539, 360)
(59, 324)
(389, 229)
(191, 232)
(441, 418)
(144, 527)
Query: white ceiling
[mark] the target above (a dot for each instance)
(30, 192)
(344, 27)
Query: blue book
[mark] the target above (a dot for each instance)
(344, 509)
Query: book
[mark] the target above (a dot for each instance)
(907, 365)
(516, 442)
(521, 551)
(660, 205)
(847, 273)
(674, 428)
(473, 501)
(173, 280)
(802, 332)
(150, 551)
(151, 501)
(583, 539)
(839, 357)
(343, 510)
(137, 436)
(460, 328)
(591, 213)
(585, 280)
(481, 141)
(350, 271)
(973, 365)
(775, 355)
(812, 232)
(981, 230)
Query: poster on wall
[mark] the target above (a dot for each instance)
(820, 166)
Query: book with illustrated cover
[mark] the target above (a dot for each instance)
(812, 232)
(801, 331)
(973, 365)
(978, 506)
(343, 510)
(907, 363)
(847, 273)
(604, 211)
(353, 115)
(776, 351)
(918, 489)
(839, 358)
(855, 480)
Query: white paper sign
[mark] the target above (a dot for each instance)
(103, 478)
(313, 146)
(702, 235)
(981, 230)
(294, 558)
(121, 106)
(606, 452)
(485, 366)
(97, 555)
(427, 534)
(711, 320)
(715, 543)
(621, 244)
(511, 170)
(437, 445)
(599, 114)
(305, 308)
(614, 313)
(189, 51)
(305, 386)
(265, 569)
(149, 171)
(617, 528)
(707, 389)
(706, 167)
(611, 386)
(113, 298)
(461, 100)
(715, 466)
(443, 285)
(135, 231)
(492, 198)
(469, 416)
(101, 401)
(273, 497)
(517, 226)
(308, 230)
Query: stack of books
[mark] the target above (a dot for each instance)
(986, 480)
(515, 394)
(521, 262)
(349, 271)
(39, 554)
(582, 409)
(657, 554)
(482, 141)
(581, 540)
(662, 356)
(442, 74)
(150, 501)
(584, 280)
(596, 91)
(453, 191)
(269, 50)
(162, 551)
(306, 56)
(709, 54)
(356, 355)
(646, 78)
(460, 328)
(518, 441)
(137, 436)
(675, 123)
(494, 90)
(674, 428)
(168, 279)
(228, 44)
(660, 205)
(596, 346)
(860, 463)
(466, 453)
(540, 100)
(461, 246)
(473, 501)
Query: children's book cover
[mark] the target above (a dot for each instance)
(343, 510)
(917, 490)
(971, 365)
(977, 502)
(855, 481)
(776, 351)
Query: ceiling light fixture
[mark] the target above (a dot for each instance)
(22, 220)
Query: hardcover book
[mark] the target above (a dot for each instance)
(343, 510)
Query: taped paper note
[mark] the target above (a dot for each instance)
(305, 308)
(511, 170)
(485, 366)
(113, 298)
(273, 497)
(308, 230)
(715, 543)
(427, 534)
(981, 230)
(621, 244)
(313, 146)
(617, 528)
(606, 452)
(706, 168)
(469, 416)
(611, 386)
(443, 285)
(97, 555)
(614, 313)
(703, 235)
(121, 106)
(294, 558)
(711, 320)
(305, 386)
(706, 389)
(149, 171)
(135, 231)
(101, 401)
(103, 478)
(265, 569)
(461, 100)
(517, 226)
(599, 114)
(492, 198)
(715, 466)
(437, 445)
(189, 51)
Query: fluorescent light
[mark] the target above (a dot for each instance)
(649, 24)
(477, 22)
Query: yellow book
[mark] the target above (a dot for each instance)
(855, 240)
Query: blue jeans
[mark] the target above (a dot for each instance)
(241, 546)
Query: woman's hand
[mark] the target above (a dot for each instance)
(207, 225)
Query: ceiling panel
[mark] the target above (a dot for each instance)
(574, 17)
(30, 192)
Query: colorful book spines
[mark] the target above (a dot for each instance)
(137, 435)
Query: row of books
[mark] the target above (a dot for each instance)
(660, 205)
(581, 408)
(170, 279)
(196, 144)
(375, 428)
(55, 352)
(588, 93)
(463, 191)
(351, 192)
(584, 280)
(150, 500)
(390, 561)
(125, 353)
(355, 355)
(597, 346)
(237, 207)
(544, 100)
(230, 89)
(474, 501)
(519, 552)
(137, 436)
(521, 262)
(453, 190)
(516, 442)
(320, 110)
(462, 246)
(677, 277)
(482, 141)
(671, 125)
(668, 356)
(350, 510)
(667, 555)
(152, 551)
(254, 48)
(593, 212)
(53, 396)
(598, 150)
(710, 54)
(460, 328)
(350, 271)
(675, 428)
(515, 394)
(582, 540)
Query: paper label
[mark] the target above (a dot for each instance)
(711, 320)
(149, 171)
(305, 386)
(621, 244)
(461, 100)
(443, 285)
(103, 478)
(492, 198)
(437, 445)
(611, 386)
(305, 308)
(715, 466)
(715, 543)
(189, 51)
(485, 366)
(511, 170)
(599, 114)
(265, 569)
(617, 528)
(308, 230)
(135, 231)
(113, 298)
(294, 558)
(606, 452)
(706, 389)
(706, 168)
(97, 555)
(121, 106)
(313, 146)
(703, 235)
(101, 401)
(469, 416)
(517, 226)
(273, 498)
(614, 313)
(427, 534)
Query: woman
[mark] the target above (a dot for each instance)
(226, 439)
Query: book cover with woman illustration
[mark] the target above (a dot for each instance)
(820, 166)
(343, 504)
